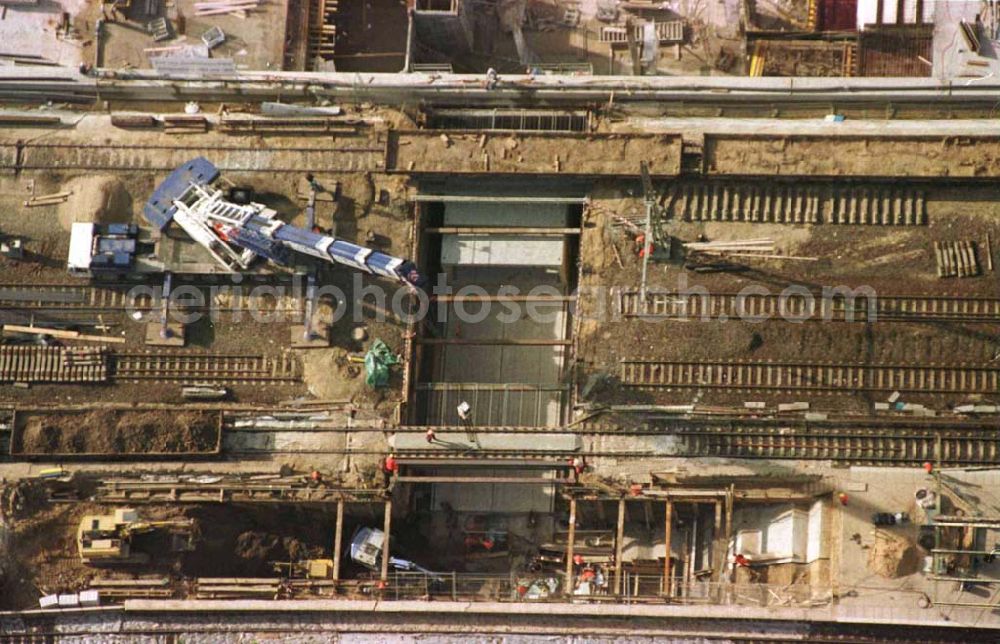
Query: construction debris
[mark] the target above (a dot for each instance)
(238, 8)
(185, 124)
(213, 37)
(47, 200)
(160, 29)
(956, 259)
(61, 334)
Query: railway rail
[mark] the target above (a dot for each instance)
(122, 157)
(860, 445)
(83, 297)
(886, 441)
(121, 297)
(204, 367)
(807, 306)
(870, 441)
(811, 377)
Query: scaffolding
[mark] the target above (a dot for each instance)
(964, 557)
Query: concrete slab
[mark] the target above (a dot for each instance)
(515, 406)
(455, 441)
(872, 612)
(462, 213)
(173, 338)
(502, 250)
(881, 490)
(539, 366)
(31, 31)
(319, 337)
(950, 52)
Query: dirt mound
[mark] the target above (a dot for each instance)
(119, 432)
(266, 547)
(245, 541)
(101, 199)
(892, 555)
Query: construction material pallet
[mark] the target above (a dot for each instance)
(666, 32)
(956, 259)
(299, 125)
(30, 364)
(799, 204)
(185, 124)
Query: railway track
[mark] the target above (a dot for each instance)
(204, 367)
(894, 442)
(801, 306)
(81, 297)
(798, 203)
(165, 158)
(120, 297)
(810, 377)
(896, 446)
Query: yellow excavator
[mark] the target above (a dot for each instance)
(106, 539)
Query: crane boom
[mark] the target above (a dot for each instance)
(236, 234)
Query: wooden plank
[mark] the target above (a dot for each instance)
(667, 529)
(541, 342)
(717, 536)
(499, 230)
(568, 588)
(338, 540)
(619, 538)
(514, 480)
(129, 583)
(61, 333)
(40, 330)
(386, 527)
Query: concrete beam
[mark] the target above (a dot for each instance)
(338, 540)
(619, 538)
(499, 342)
(499, 230)
(512, 480)
(570, 546)
(386, 528)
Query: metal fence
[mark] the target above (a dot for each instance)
(635, 589)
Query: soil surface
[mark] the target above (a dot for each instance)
(109, 431)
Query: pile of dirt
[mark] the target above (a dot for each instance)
(42, 556)
(892, 555)
(266, 547)
(247, 541)
(119, 432)
(101, 199)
